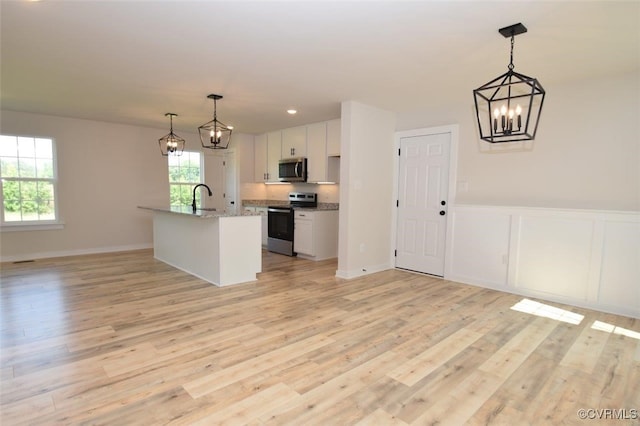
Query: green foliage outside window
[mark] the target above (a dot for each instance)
(184, 174)
(27, 171)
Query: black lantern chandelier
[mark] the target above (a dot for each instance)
(215, 134)
(171, 144)
(509, 107)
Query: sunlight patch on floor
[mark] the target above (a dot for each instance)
(547, 311)
(610, 328)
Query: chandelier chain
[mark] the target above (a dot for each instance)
(511, 58)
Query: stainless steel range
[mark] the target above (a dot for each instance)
(280, 221)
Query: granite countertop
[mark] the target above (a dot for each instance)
(266, 203)
(203, 213)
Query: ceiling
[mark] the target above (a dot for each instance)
(132, 61)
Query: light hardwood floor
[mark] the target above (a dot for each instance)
(124, 339)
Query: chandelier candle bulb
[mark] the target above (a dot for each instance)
(510, 120)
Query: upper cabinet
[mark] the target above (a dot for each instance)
(260, 168)
(274, 144)
(267, 149)
(294, 142)
(317, 152)
(333, 138)
(319, 142)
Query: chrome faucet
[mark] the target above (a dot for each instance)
(193, 203)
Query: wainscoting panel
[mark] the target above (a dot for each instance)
(620, 273)
(586, 258)
(553, 255)
(480, 246)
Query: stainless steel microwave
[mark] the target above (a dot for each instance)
(292, 170)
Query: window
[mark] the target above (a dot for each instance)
(185, 171)
(28, 174)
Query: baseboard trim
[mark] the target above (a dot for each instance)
(79, 252)
(366, 270)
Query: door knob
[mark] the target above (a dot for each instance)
(441, 212)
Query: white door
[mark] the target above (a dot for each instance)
(422, 202)
(230, 193)
(214, 177)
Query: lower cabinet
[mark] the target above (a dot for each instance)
(265, 224)
(316, 234)
(263, 214)
(303, 234)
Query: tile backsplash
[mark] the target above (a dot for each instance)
(257, 191)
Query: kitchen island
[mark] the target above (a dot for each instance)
(220, 248)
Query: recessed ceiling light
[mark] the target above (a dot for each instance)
(292, 111)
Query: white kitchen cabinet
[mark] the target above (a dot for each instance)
(265, 224)
(274, 144)
(321, 168)
(267, 153)
(316, 234)
(319, 142)
(333, 138)
(294, 142)
(317, 152)
(264, 215)
(260, 168)
(303, 233)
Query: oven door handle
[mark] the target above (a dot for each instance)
(276, 210)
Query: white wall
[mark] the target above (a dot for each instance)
(105, 171)
(366, 189)
(586, 154)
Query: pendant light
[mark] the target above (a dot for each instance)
(215, 134)
(171, 144)
(508, 107)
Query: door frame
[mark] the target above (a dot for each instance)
(453, 130)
